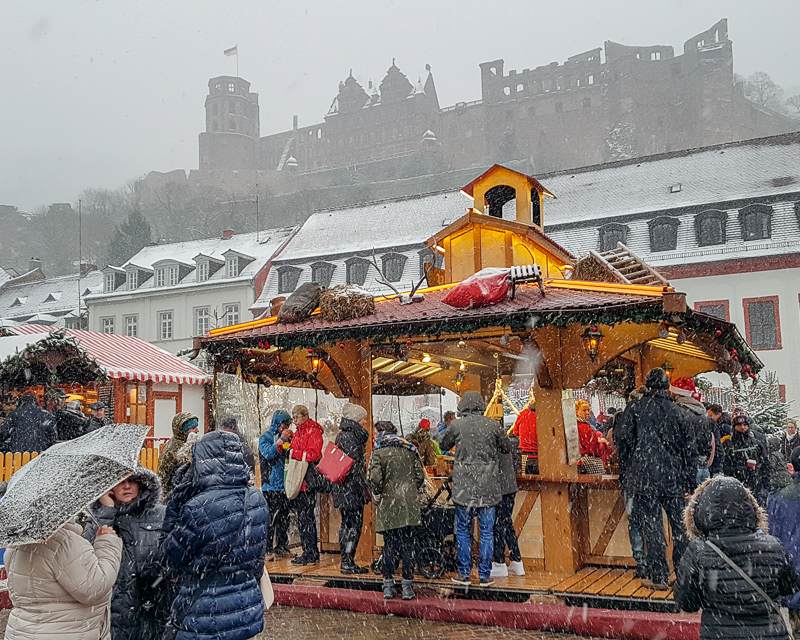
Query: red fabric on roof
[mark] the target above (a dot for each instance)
(129, 358)
(432, 308)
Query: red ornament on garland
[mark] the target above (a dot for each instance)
(718, 333)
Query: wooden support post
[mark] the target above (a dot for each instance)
(363, 397)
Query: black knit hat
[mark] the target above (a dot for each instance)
(385, 426)
(657, 379)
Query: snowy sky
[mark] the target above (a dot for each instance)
(96, 93)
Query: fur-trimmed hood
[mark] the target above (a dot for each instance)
(722, 506)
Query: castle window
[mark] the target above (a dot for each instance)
(756, 222)
(590, 79)
(287, 279)
(663, 234)
(507, 91)
(655, 55)
(357, 269)
(520, 88)
(232, 125)
(322, 273)
(231, 87)
(709, 227)
(611, 234)
(559, 107)
(393, 265)
(587, 104)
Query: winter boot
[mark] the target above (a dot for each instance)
(349, 566)
(516, 568)
(389, 591)
(499, 570)
(408, 590)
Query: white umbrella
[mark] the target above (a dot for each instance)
(55, 487)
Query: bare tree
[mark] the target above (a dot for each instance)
(764, 91)
(794, 102)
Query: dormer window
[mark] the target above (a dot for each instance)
(710, 227)
(322, 273)
(664, 234)
(612, 234)
(109, 283)
(393, 265)
(287, 279)
(232, 266)
(756, 222)
(133, 279)
(357, 269)
(18, 302)
(52, 297)
(202, 271)
(167, 276)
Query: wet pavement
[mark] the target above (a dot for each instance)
(283, 623)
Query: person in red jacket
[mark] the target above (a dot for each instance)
(307, 440)
(525, 429)
(591, 441)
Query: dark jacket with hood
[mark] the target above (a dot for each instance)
(70, 424)
(656, 445)
(510, 465)
(395, 477)
(272, 456)
(695, 415)
(216, 542)
(351, 493)
(778, 473)
(168, 463)
(479, 443)
(725, 513)
(137, 612)
(789, 444)
(28, 427)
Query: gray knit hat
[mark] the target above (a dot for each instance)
(354, 412)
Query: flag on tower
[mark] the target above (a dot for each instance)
(233, 51)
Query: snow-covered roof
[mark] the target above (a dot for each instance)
(5, 276)
(739, 170)
(50, 298)
(381, 225)
(261, 246)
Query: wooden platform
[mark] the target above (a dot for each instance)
(590, 583)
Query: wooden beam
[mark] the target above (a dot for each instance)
(525, 511)
(612, 522)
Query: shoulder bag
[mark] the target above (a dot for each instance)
(295, 475)
(335, 463)
(770, 602)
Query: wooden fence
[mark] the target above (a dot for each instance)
(10, 463)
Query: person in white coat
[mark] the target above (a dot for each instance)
(61, 588)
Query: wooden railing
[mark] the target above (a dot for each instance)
(10, 463)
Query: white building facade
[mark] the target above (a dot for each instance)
(168, 294)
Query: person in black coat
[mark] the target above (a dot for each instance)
(231, 425)
(28, 427)
(747, 457)
(791, 439)
(98, 418)
(715, 416)
(215, 543)
(723, 512)
(658, 457)
(70, 421)
(350, 495)
(133, 508)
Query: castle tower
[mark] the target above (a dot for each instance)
(232, 126)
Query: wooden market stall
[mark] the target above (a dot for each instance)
(139, 382)
(572, 527)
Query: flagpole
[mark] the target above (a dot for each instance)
(237, 61)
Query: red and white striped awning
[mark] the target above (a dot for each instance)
(129, 358)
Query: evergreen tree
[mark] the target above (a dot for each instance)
(762, 401)
(129, 237)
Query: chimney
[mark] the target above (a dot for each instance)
(227, 234)
(87, 267)
(34, 263)
(295, 122)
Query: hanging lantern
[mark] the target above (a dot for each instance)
(315, 359)
(668, 369)
(591, 341)
(663, 331)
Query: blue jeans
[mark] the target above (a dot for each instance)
(464, 516)
(635, 537)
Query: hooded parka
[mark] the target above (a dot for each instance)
(215, 543)
(351, 493)
(136, 610)
(61, 588)
(724, 512)
(395, 476)
(479, 442)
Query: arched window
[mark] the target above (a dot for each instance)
(322, 273)
(709, 226)
(287, 279)
(536, 208)
(232, 124)
(611, 234)
(497, 197)
(392, 266)
(357, 269)
(756, 222)
(663, 233)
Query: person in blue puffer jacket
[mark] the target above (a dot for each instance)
(273, 450)
(214, 545)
